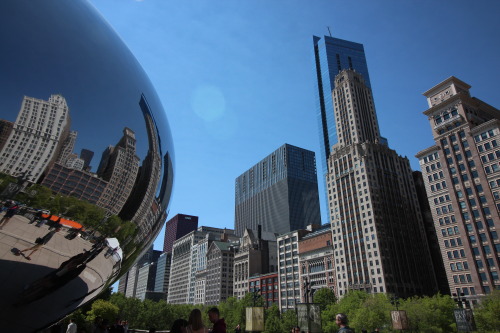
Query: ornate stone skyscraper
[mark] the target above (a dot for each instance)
(378, 235)
(37, 137)
(462, 179)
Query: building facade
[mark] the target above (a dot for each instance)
(188, 256)
(163, 274)
(288, 268)
(332, 55)
(219, 277)
(461, 173)
(280, 192)
(267, 286)
(36, 138)
(316, 262)
(119, 167)
(378, 233)
(176, 227)
(255, 255)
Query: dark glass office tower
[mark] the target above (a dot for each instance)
(280, 192)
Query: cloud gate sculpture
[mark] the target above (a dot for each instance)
(86, 160)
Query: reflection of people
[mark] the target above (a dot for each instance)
(11, 211)
(179, 326)
(341, 321)
(40, 242)
(71, 327)
(195, 323)
(219, 324)
(58, 278)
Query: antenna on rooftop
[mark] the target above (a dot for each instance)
(329, 31)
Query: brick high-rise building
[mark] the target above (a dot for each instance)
(462, 178)
(378, 233)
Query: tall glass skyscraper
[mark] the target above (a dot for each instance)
(280, 192)
(331, 56)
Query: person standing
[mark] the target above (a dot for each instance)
(39, 243)
(341, 321)
(71, 327)
(219, 324)
(11, 211)
(195, 323)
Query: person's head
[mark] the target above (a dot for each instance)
(179, 326)
(213, 314)
(195, 319)
(341, 319)
(295, 329)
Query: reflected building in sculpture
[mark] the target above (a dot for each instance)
(106, 89)
(119, 166)
(36, 138)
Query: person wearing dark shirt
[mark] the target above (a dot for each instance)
(219, 324)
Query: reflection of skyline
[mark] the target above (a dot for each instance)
(39, 145)
(120, 184)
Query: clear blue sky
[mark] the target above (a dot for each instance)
(236, 77)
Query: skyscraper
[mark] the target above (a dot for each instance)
(177, 227)
(378, 233)
(462, 178)
(37, 137)
(280, 192)
(331, 56)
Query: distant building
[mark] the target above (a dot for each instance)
(316, 262)
(219, 280)
(119, 167)
(331, 56)
(265, 285)
(288, 267)
(146, 278)
(187, 258)
(255, 255)
(77, 183)
(5, 130)
(163, 274)
(378, 232)
(36, 138)
(176, 227)
(86, 155)
(67, 147)
(461, 173)
(280, 192)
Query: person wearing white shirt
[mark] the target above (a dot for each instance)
(71, 327)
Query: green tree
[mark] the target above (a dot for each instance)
(289, 320)
(487, 314)
(430, 314)
(103, 309)
(325, 297)
(273, 323)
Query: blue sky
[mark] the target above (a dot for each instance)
(236, 77)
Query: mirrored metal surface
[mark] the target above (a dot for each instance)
(86, 160)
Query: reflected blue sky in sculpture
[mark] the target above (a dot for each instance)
(50, 49)
(89, 70)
